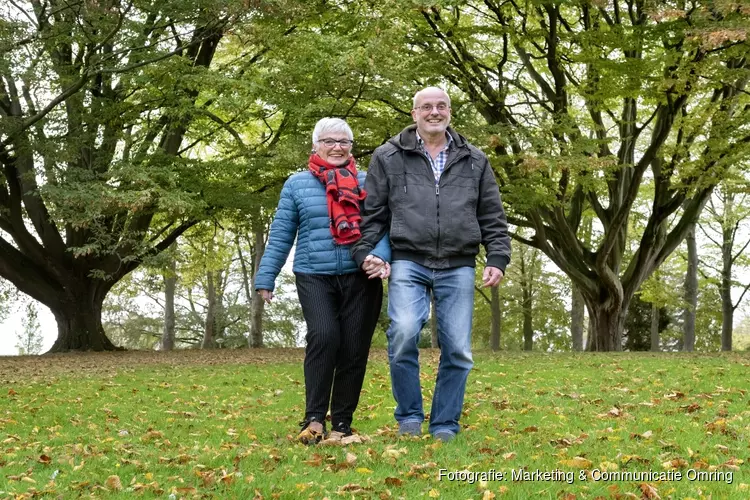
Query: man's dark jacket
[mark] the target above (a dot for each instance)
(436, 226)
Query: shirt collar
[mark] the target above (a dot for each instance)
(449, 140)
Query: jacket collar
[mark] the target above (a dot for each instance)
(407, 139)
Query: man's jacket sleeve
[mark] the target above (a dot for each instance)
(375, 212)
(492, 221)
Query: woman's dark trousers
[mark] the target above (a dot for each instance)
(341, 312)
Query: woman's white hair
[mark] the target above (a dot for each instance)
(331, 125)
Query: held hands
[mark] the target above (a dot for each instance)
(266, 295)
(375, 267)
(492, 276)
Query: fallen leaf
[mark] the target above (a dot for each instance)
(44, 459)
(645, 435)
(674, 396)
(691, 408)
(351, 458)
(393, 481)
(113, 483)
(354, 438)
(577, 462)
(151, 435)
(608, 466)
(649, 491)
(676, 463)
(352, 488)
(434, 493)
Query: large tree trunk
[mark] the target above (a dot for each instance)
(691, 292)
(79, 325)
(606, 327)
(170, 286)
(497, 319)
(655, 341)
(576, 318)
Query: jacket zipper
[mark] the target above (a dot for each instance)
(437, 215)
(437, 199)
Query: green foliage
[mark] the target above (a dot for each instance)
(549, 301)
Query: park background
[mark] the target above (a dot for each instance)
(143, 146)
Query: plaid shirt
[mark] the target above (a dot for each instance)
(437, 164)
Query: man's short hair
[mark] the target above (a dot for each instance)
(331, 125)
(416, 96)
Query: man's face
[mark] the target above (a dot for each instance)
(432, 114)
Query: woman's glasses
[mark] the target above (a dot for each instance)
(329, 143)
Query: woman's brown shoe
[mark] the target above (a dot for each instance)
(312, 432)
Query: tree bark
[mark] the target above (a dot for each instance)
(607, 322)
(528, 317)
(527, 301)
(246, 284)
(79, 324)
(577, 313)
(655, 341)
(497, 319)
(691, 292)
(210, 330)
(727, 307)
(258, 305)
(170, 286)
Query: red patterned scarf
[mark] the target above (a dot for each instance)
(343, 195)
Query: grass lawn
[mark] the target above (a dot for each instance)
(221, 424)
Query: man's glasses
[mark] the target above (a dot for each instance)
(426, 108)
(329, 143)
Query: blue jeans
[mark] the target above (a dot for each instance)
(408, 308)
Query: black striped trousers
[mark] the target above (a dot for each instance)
(341, 312)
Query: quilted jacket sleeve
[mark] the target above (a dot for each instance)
(280, 240)
(383, 248)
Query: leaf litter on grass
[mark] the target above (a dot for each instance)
(216, 424)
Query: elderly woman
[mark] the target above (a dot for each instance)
(340, 303)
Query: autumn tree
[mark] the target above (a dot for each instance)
(107, 111)
(722, 225)
(580, 104)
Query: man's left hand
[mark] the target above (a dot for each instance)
(492, 276)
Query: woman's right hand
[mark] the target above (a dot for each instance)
(266, 295)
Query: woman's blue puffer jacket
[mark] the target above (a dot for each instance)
(303, 207)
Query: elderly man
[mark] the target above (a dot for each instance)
(436, 194)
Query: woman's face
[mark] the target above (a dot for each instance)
(337, 154)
